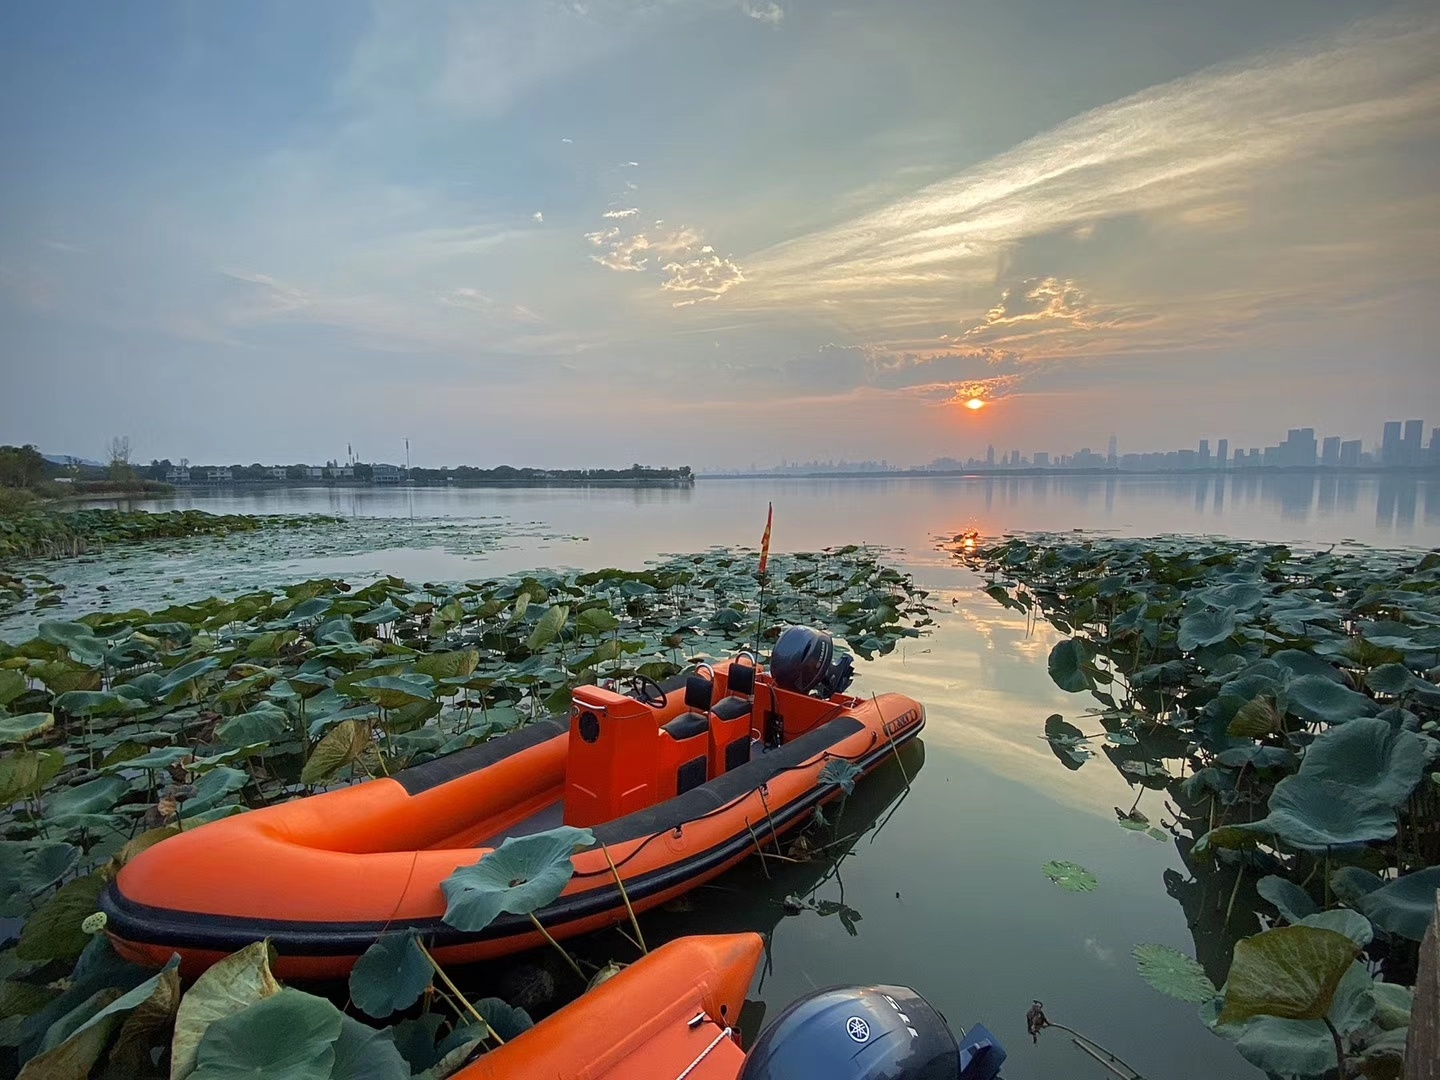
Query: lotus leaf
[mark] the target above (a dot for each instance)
(75, 638)
(25, 773)
(1343, 921)
(1404, 906)
(362, 1053)
(505, 1020)
(394, 691)
(91, 703)
(390, 976)
(53, 932)
(1322, 701)
(92, 797)
(265, 723)
(1173, 973)
(841, 772)
(160, 758)
(379, 616)
(522, 875)
(448, 665)
(16, 729)
(26, 867)
(1067, 742)
(1206, 627)
(1299, 662)
(12, 685)
(1259, 757)
(1293, 902)
(214, 786)
(1317, 814)
(187, 673)
(1069, 663)
(1070, 876)
(245, 1044)
(1369, 755)
(347, 743)
(1393, 1005)
(1291, 973)
(548, 628)
(1351, 883)
(232, 984)
(596, 622)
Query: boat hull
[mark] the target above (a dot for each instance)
(324, 877)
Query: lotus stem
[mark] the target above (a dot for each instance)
(775, 836)
(758, 848)
(1239, 873)
(568, 958)
(893, 745)
(492, 1033)
(626, 897)
(1339, 1046)
(1082, 1041)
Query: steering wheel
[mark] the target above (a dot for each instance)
(649, 691)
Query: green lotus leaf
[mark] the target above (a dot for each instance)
(16, 729)
(596, 622)
(841, 772)
(160, 758)
(249, 1044)
(1070, 876)
(1393, 1005)
(1069, 664)
(187, 673)
(224, 989)
(1067, 742)
(1319, 700)
(1316, 814)
(448, 665)
(347, 743)
(1173, 973)
(390, 976)
(362, 1053)
(1404, 906)
(1343, 921)
(378, 616)
(213, 787)
(75, 638)
(1290, 972)
(522, 875)
(1351, 884)
(26, 867)
(1293, 902)
(96, 796)
(1368, 754)
(92, 703)
(1205, 627)
(1394, 679)
(265, 723)
(12, 685)
(53, 932)
(27, 772)
(394, 691)
(548, 628)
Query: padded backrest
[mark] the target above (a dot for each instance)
(699, 692)
(741, 678)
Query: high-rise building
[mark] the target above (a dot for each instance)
(1390, 443)
(1204, 462)
(1330, 450)
(1222, 452)
(1113, 457)
(1298, 448)
(1410, 442)
(1042, 459)
(1350, 453)
(990, 456)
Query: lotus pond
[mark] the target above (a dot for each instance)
(952, 873)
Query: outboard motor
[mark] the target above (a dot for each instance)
(869, 1033)
(803, 661)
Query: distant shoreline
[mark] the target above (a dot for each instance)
(999, 473)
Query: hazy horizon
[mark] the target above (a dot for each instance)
(714, 233)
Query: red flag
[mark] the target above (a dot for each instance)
(765, 540)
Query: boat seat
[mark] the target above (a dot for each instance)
(729, 734)
(687, 726)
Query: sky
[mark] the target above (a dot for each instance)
(714, 232)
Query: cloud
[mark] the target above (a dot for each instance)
(622, 253)
(632, 212)
(706, 277)
(1226, 177)
(771, 13)
(538, 218)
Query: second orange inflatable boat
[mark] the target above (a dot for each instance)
(678, 782)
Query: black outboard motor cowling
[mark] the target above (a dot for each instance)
(803, 661)
(869, 1033)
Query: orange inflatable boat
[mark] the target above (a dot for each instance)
(678, 782)
(674, 1010)
(673, 1015)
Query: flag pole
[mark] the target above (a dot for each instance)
(763, 576)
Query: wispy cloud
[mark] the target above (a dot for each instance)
(705, 277)
(631, 212)
(1198, 161)
(770, 12)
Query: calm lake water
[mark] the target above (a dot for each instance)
(942, 888)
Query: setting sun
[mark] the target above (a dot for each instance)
(975, 403)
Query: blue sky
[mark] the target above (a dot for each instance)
(713, 232)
